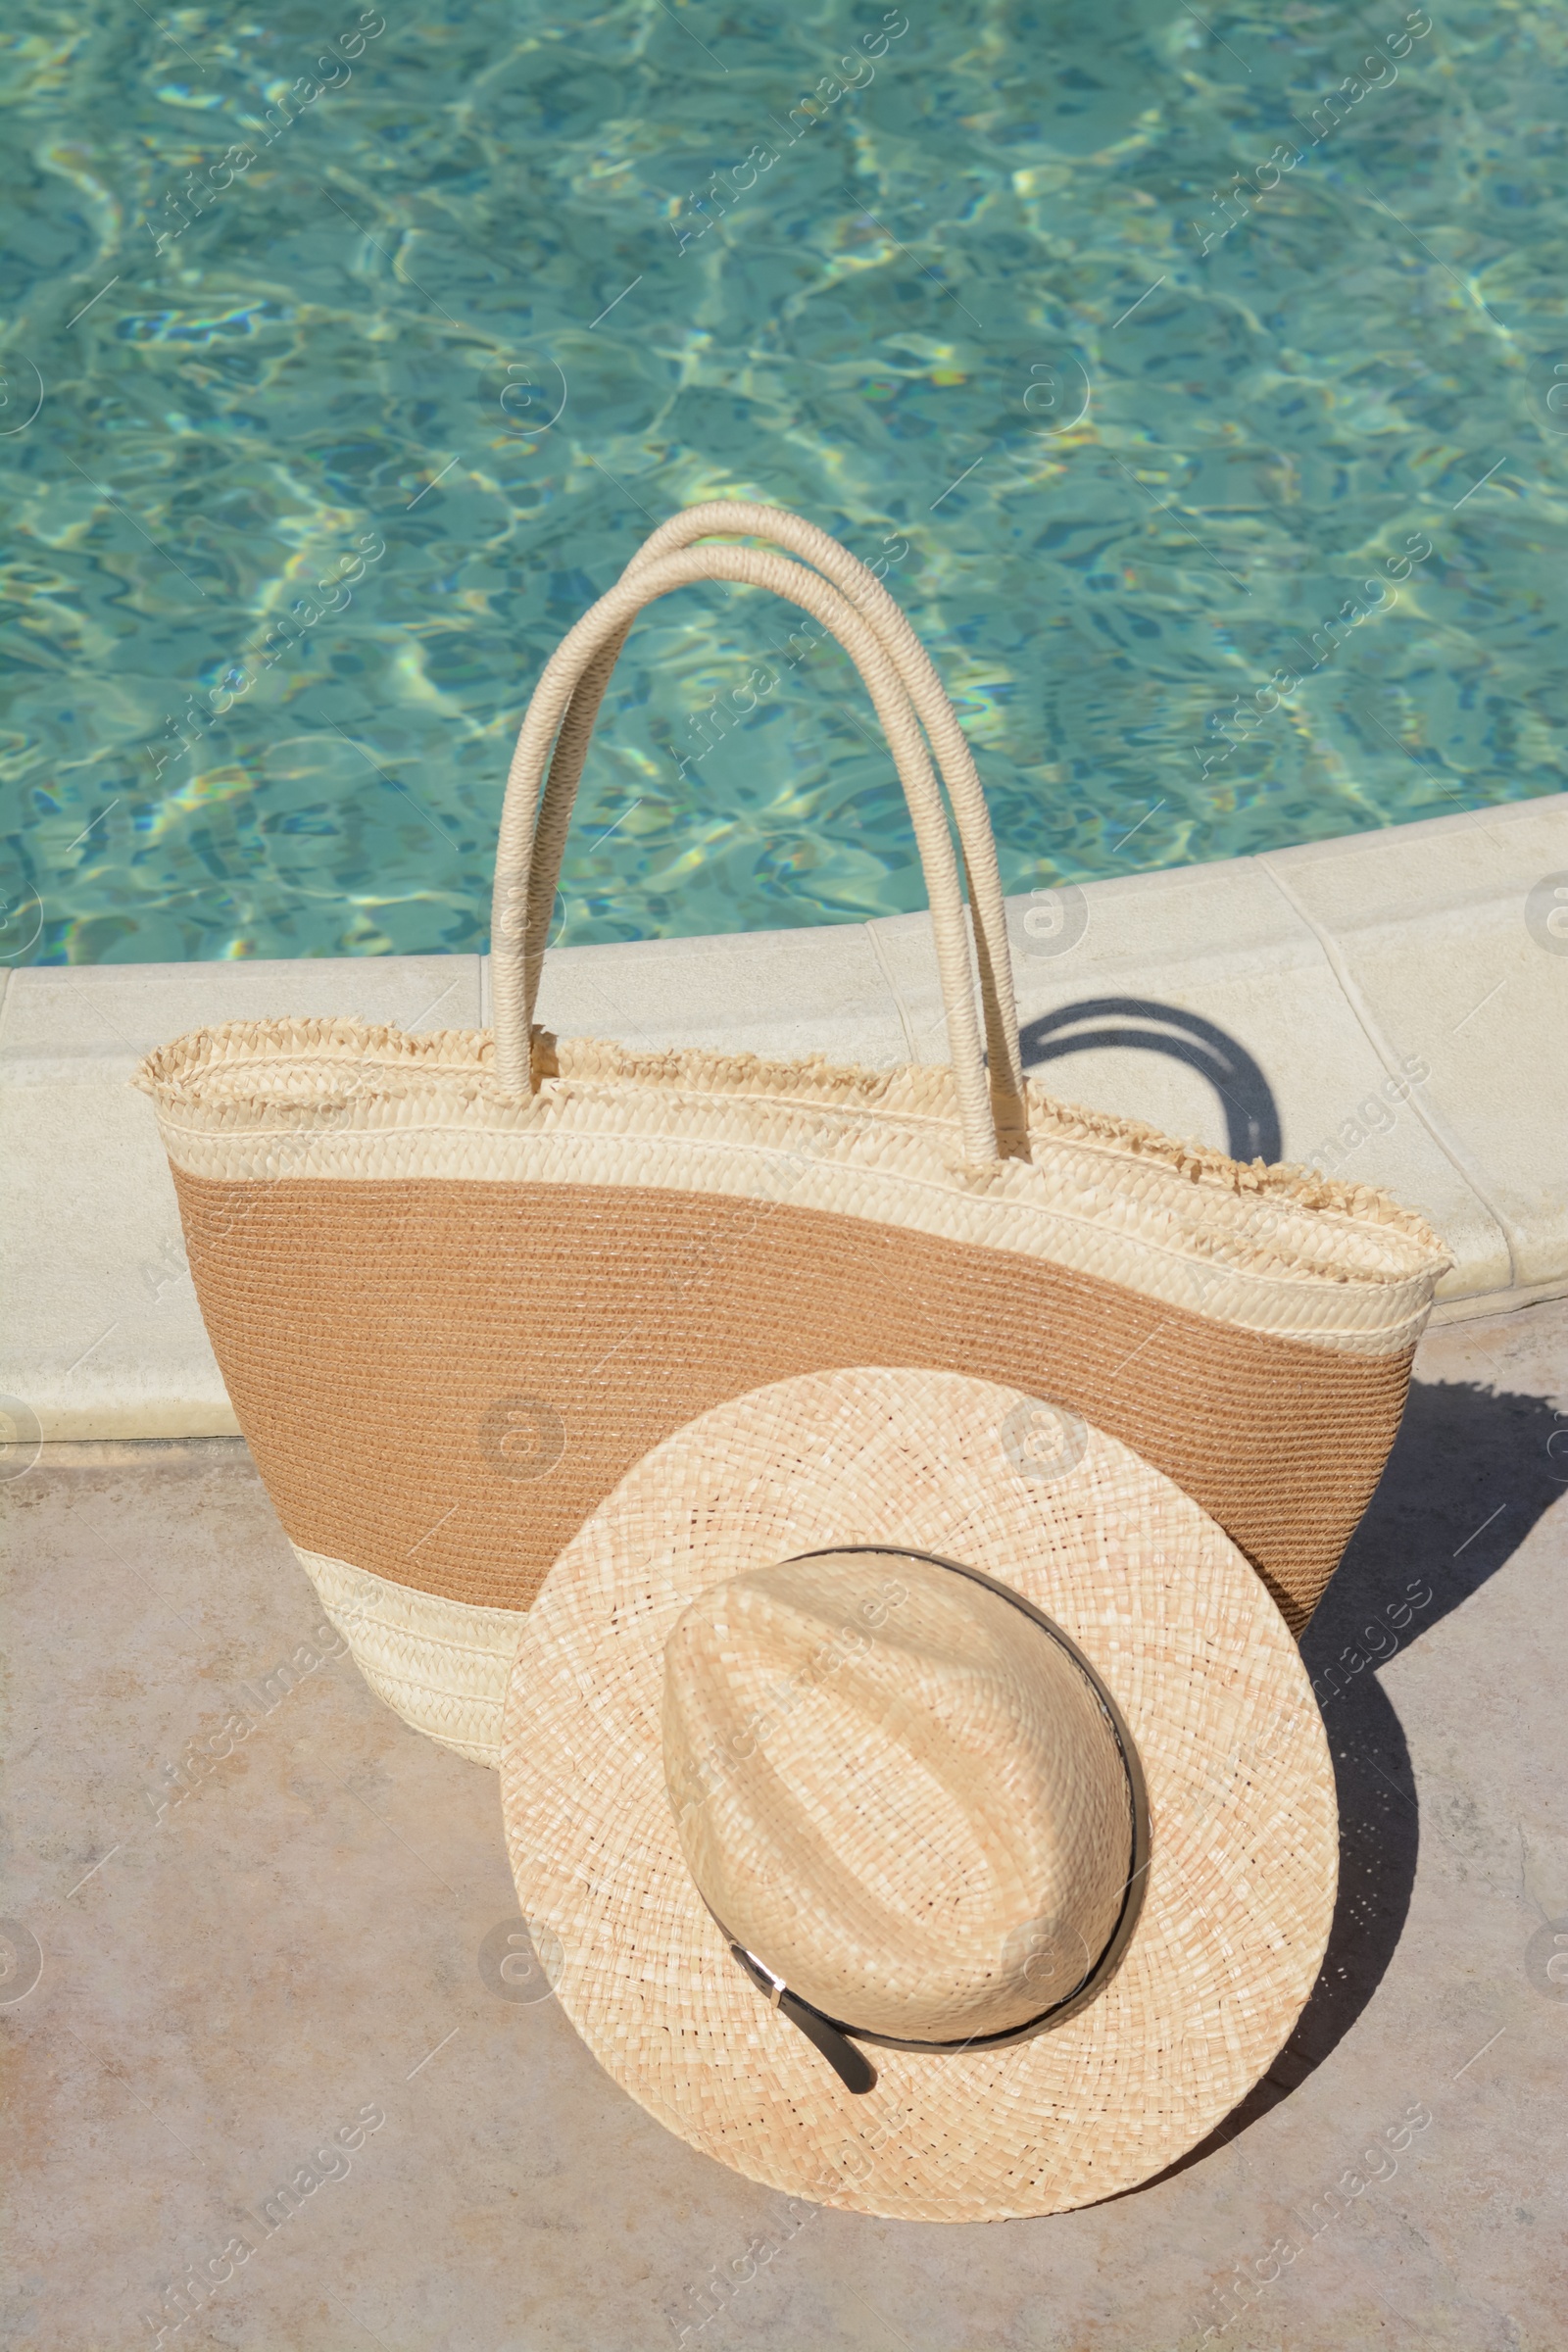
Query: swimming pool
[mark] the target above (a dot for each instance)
(1197, 380)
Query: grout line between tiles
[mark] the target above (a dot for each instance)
(1447, 1144)
(899, 1006)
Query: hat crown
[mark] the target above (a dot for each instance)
(898, 1791)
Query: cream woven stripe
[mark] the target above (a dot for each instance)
(1250, 1259)
(517, 952)
(442, 1665)
(926, 691)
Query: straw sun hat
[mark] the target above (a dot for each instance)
(921, 1800)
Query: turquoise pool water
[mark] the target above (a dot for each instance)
(1199, 378)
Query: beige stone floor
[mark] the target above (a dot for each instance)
(231, 1978)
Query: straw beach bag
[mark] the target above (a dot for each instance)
(458, 1284)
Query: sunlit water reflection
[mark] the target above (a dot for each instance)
(1201, 387)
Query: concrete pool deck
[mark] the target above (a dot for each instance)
(1390, 1006)
(305, 1942)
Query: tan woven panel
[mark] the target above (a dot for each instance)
(379, 1339)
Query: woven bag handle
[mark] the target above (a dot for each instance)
(738, 517)
(518, 943)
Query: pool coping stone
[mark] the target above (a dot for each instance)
(1397, 998)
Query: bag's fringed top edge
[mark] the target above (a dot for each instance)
(250, 1068)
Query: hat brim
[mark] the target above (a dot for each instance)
(1244, 1826)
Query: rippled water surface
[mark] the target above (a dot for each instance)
(349, 354)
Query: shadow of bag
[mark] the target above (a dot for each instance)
(459, 1283)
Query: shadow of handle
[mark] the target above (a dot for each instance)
(1252, 1116)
